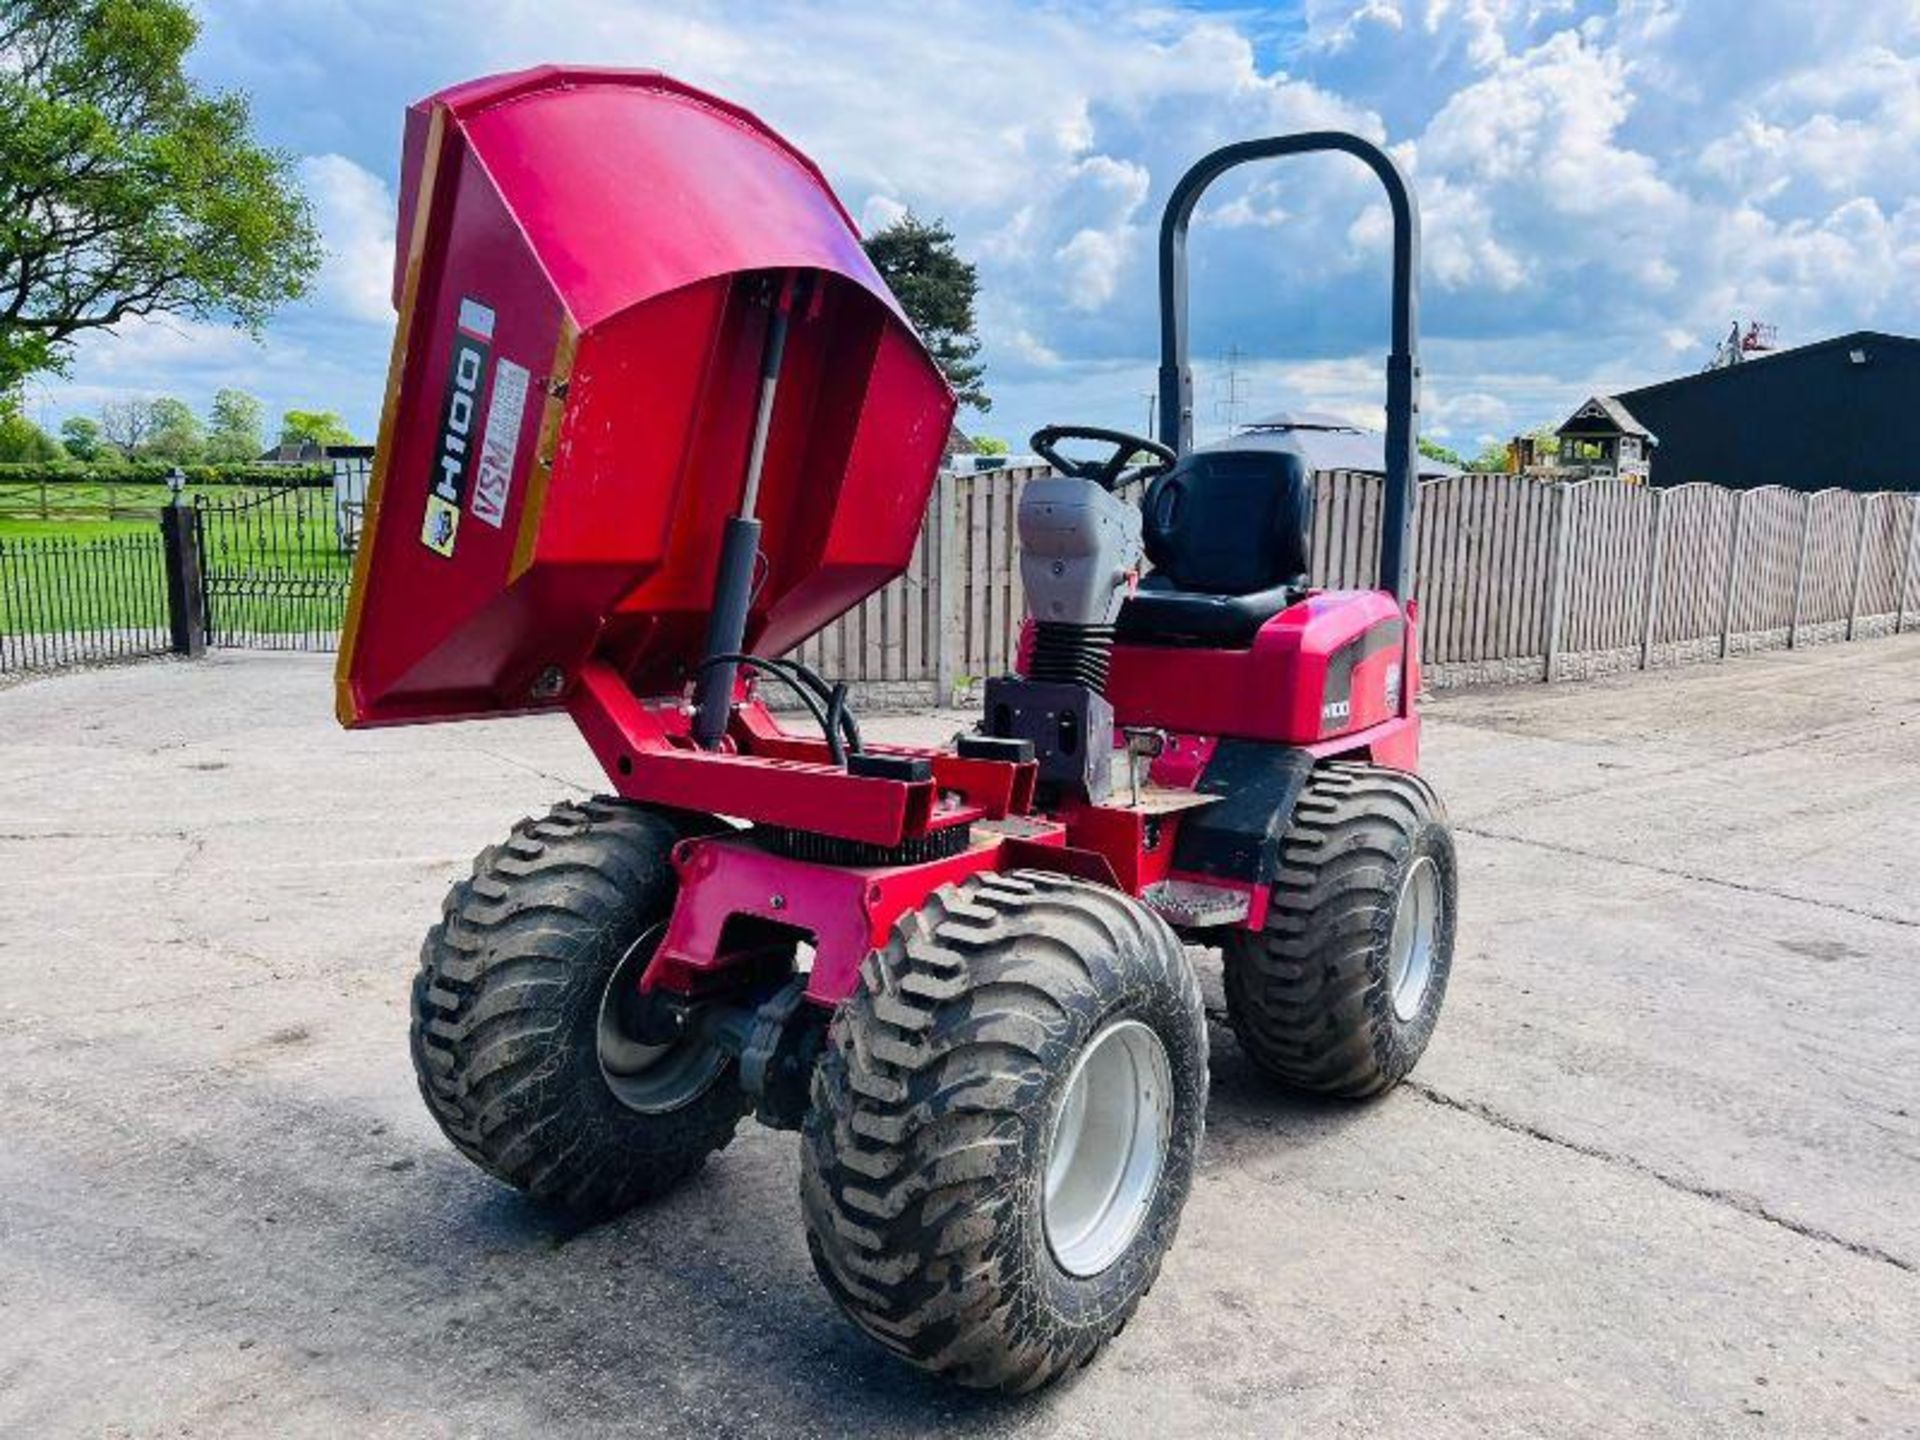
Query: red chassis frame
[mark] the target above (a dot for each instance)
(1354, 644)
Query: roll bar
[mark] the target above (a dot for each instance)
(1403, 363)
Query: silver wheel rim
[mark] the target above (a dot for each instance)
(651, 1079)
(1416, 928)
(1107, 1147)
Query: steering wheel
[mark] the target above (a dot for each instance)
(1116, 469)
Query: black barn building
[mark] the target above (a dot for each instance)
(1843, 412)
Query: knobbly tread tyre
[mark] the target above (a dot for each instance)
(506, 1003)
(922, 1172)
(1307, 995)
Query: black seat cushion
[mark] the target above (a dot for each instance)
(1228, 533)
(1158, 614)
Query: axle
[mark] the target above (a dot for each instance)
(773, 1041)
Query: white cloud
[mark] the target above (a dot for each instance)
(355, 212)
(303, 362)
(1470, 414)
(149, 345)
(1605, 184)
(1851, 128)
(1090, 268)
(1544, 125)
(1337, 25)
(879, 212)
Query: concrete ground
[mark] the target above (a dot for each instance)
(1658, 1174)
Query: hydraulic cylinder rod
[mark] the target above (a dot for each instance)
(739, 550)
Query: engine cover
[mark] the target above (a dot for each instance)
(1079, 546)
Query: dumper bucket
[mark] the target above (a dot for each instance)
(588, 265)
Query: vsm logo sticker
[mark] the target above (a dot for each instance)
(459, 414)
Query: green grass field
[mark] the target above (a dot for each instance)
(12, 529)
(88, 509)
(78, 510)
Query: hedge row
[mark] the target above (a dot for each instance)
(154, 472)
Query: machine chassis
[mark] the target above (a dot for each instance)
(1148, 839)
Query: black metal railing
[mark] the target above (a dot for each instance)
(266, 569)
(77, 602)
(275, 568)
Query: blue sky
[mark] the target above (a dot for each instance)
(1606, 184)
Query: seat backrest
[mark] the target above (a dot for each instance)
(1230, 522)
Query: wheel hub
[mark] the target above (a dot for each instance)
(649, 1078)
(1107, 1147)
(1416, 928)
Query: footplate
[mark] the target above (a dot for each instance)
(1193, 905)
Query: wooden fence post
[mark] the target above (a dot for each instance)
(1800, 570)
(949, 588)
(1656, 499)
(1859, 563)
(1906, 565)
(186, 588)
(1733, 571)
(1557, 584)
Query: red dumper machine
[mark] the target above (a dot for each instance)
(652, 420)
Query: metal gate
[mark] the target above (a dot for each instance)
(275, 566)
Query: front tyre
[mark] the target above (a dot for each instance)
(1339, 992)
(1004, 1127)
(524, 1035)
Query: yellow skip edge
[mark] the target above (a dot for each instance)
(534, 506)
(343, 700)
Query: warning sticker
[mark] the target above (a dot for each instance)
(500, 443)
(441, 525)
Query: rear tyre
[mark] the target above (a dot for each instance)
(1004, 1127)
(1339, 992)
(522, 1026)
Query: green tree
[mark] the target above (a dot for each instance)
(20, 438)
(1434, 450)
(989, 445)
(82, 438)
(936, 288)
(174, 432)
(322, 427)
(126, 425)
(236, 427)
(127, 189)
(1493, 459)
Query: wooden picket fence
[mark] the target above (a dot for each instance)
(1517, 579)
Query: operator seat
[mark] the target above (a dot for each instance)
(1228, 532)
